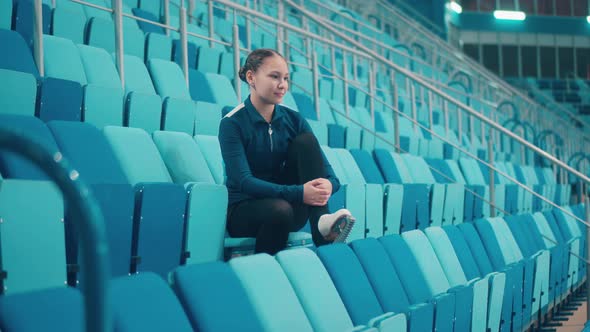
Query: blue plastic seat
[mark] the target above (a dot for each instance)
(20, 57)
(60, 100)
(24, 19)
(18, 94)
(345, 269)
(214, 299)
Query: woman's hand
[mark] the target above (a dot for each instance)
(317, 192)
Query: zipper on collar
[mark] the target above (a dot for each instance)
(270, 135)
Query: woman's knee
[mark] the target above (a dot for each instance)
(281, 212)
(306, 139)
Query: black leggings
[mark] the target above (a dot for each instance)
(271, 219)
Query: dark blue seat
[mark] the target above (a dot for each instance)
(388, 287)
(20, 57)
(158, 227)
(24, 20)
(199, 87)
(60, 100)
(210, 293)
(13, 166)
(146, 27)
(191, 53)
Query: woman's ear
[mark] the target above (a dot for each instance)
(250, 78)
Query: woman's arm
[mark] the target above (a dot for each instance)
(238, 171)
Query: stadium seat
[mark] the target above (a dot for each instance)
(103, 106)
(99, 67)
(18, 94)
(178, 115)
(214, 299)
(207, 118)
(20, 58)
(60, 100)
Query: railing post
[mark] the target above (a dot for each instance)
(210, 22)
(446, 115)
(184, 42)
(459, 124)
(372, 92)
(38, 37)
(430, 111)
(236, 48)
(395, 112)
(316, 84)
(120, 50)
(492, 176)
(345, 84)
(167, 15)
(414, 109)
(191, 9)
(281, 17)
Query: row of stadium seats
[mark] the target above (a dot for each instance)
(493, 274)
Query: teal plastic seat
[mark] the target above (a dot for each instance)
(18, 94)
(103, 106)
(32, 239)
(315, 290)
(178, 115)
(69, 22)
(143, 111)
(62, 60)
(207, 119)
(274, 300)
(100, 33)
(99, 67)
(137, 78)
(222, 89)
(207, 201)
(212, 152)
(137, 154)
(168, 79)
(158, 46)
(208, 60)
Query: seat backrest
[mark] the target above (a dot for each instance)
(428, 261)
(270, 292)
(103, 106)
(214, 299)
(137, 154)
(62, 60)
(207, 118)
(212, 152)
(20, 57)
(18, 94)
(100, 33)
(182, 157)
(315, 290)
(463, 252)
(178, 115)
(32, 250)
(382, 275)
(456, 171)
(345, 270)
(367, 166)
(87, 149)
(99, 67)
(14, 166)
(418, 168)
(222, 89)
(61, 308)
(349, 165)
(130, 302)
(402, 168)
(401, 256)
(137, 78)
(60, 99)
(476, 245)
(471, 171)
(168, 79)
(447, 255)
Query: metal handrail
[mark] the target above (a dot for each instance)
(88, 224)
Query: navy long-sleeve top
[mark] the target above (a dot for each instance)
(254, 152)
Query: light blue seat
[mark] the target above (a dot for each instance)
(212, 152)
(214, 299)
(388, 287)
(207, 201)
(18, 94)
(100, 33)
(223, 91)
(207, 118)
(62, 60)
(158, 46)
(178, 115)
(416, 284)
(137, 77)
(168, 79)
(69, 22)
(103, 106)
(143, 111)
(345, 270)
(274, 300)
(208, 60)
(160, 204)
(32, 240)
(99, 67)
(314, 288)
(133, 38)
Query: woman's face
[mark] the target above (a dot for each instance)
(270, 82)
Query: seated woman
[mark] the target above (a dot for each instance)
(277, 175)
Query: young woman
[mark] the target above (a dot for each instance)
(277, 175)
